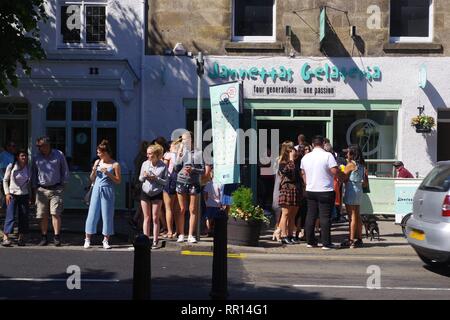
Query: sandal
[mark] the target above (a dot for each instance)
(347, 243)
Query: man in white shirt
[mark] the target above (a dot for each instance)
(318, 170)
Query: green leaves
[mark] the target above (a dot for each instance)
(243, 207)
(19, 38)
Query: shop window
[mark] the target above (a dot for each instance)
(81, 110)
(79, 134)
(82, 24)
(254, 20)
(56, 111)
(106, 111)
(374, 131)
(281, 113)
(312, 113)
(411, 21)
(109, 134)
(58, 137)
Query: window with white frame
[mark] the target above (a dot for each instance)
(82, 23)
(76, 127)
(411, 21)
(254, 20)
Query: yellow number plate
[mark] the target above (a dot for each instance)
(418, 235)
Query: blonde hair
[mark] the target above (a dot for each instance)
(157, 150)
(286, 148)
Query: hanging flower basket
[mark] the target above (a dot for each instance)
(423, 123)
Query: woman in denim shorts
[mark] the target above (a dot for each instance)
(169, 194)
(190, 168)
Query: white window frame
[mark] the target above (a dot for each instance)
(82, 45)
(417, 39)
(94, 124)
(255, 38)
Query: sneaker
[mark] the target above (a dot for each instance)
(328, 247)
(106, 244)
(191, 239)
(311, 245)
(44, 241)
(180, 238)
(155, 245)
(87, 243)
(57, 241)
(6, 243)
(346, 243)
(357, 244)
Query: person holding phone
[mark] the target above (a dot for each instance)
(190, 168)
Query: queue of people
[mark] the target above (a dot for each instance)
(309, 191)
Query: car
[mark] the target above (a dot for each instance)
(428, 228)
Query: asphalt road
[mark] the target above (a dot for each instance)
(36, 273)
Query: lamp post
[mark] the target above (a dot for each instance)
(198, 139)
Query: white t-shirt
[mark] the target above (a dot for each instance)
(317, 165)
(213, 191)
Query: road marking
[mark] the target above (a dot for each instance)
(363, 287)
(210, 254)
(56, 280)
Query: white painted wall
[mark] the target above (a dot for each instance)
(168, 80)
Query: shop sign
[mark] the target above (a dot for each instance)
(306, 72)
(293, 91)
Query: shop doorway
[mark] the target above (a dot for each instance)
(288, 130)
(443, 132)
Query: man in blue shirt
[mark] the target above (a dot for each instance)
(50, 173)
(6, 157)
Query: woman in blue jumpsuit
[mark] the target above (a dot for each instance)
(106, 172)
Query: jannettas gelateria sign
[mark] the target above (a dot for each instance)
(307, 73)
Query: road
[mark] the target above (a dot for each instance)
(40, 273)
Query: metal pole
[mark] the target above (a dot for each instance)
(199, 137)
(219, 289)
(142, 268)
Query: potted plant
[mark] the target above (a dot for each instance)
(423, 123)
(245, 219)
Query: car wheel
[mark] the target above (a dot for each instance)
(432, 263)
(403, 223)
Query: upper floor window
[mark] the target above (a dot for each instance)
(83, 23)
(411, 21)
(254, 20)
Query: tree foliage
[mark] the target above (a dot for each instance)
(19, 38)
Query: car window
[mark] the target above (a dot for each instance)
(437, 180)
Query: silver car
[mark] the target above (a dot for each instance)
(428, 229)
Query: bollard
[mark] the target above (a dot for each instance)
(142, 268)
(219, 290)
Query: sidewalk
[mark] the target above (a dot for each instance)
(391, 240)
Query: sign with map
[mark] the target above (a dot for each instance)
(225, 102)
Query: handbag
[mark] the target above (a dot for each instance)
(87, 196)
(365, 184)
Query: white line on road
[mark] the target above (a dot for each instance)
(56, 280)
(363, 287)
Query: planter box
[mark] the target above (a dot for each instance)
(243, 233)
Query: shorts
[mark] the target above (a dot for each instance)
(49, 201)
(171, 186)
(147, 198)
(191, 189)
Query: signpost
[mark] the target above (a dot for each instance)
(225, 101)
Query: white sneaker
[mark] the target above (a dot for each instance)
(87, 243)
(180, 238)
(191, 239)
(106, 244)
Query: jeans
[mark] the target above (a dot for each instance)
(319, 206)
(19, 204)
